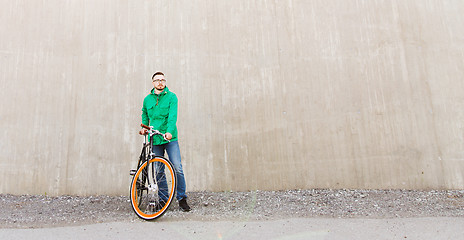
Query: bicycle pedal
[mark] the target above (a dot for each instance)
(132, 172)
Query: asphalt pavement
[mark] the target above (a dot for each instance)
(289, 229)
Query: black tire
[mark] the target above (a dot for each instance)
(149, 197)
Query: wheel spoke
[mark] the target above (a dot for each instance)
(152, 186)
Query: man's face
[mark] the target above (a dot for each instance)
(159, 83)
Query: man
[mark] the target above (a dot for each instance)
(160, 111)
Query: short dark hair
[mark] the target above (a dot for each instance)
(157, 73)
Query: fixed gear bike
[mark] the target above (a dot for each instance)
(153, 185)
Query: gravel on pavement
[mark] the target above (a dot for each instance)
(38, 211)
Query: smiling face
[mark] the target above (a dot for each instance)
(159, 83)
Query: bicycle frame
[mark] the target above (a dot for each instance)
(145, 156)
(147, 152)
(146, 149)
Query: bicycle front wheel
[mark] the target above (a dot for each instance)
(153, 188)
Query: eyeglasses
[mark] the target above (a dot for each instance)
(159, 80)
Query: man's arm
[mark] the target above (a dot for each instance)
(172, 117)
(145, 119)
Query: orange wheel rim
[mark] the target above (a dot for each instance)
(134, 197)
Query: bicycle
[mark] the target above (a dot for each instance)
(154, 181)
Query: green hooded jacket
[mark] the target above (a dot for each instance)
(160, 112)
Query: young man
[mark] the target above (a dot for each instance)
(160, 111)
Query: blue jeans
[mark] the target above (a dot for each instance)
(172, 148)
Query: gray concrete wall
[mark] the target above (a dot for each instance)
(273, 94)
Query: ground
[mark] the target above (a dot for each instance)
(35, 211)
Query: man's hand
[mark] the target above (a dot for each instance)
(168, 136)
(143, 132)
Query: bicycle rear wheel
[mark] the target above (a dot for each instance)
(153, 188)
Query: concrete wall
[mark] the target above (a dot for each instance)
(273, 94)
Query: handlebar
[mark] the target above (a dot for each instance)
(152, 131)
